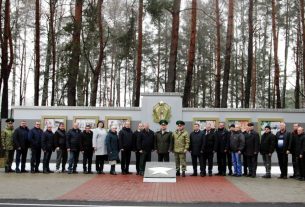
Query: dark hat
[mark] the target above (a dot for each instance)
(180, 122)
(232, 125)
(163, 122)
(10, 120)
(250, 124)
(268, 127)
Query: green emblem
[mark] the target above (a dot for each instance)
(161, 111)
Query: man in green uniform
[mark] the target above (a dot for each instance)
(162, 142)
(180, 145)
(8, 144)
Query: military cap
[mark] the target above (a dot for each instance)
(163, 122)
(9, 120)
(268, 127)
(180, 122)
(250, 124)
(232, 126)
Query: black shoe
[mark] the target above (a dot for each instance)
(113, 173)
(210, 174)
(6, 170)
(75, 172)
(24, 171)
(141, 173)
(50, 171)
(37, 171)
(266, 176)
(177, 173)
(248, 175)
(17, 171)
(223, 174)
(218, 174)
(32, 171)
(124, 173)
(10, 170)
(69, 172)
(85, 172)
(183, 173)
(138, 173)
(90, 172)
(292, 176)
(230, 173)
(129, 173)
(194, 174)
(45, 172)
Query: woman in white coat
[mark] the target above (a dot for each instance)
(99, 137)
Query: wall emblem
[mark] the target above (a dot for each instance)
(161, 111)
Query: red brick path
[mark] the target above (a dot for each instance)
(131, 188)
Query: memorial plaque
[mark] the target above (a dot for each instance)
(160, 172)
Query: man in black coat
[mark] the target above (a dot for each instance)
(21, 144)
(60, 139)
(266, 149)
(47, 145)
(145, 146)
(300, 151)
(136, 137)
(251, 149)
(196, 141)
(223, 141)
(292, 150)
(74, 137)
(282, 145)
(35, 136)
(209, 147)
(126, 146)
(87, 149)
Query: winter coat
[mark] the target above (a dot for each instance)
(135, 138)
(180, 141)
(196, 141)
(7, 141)
(126, 139)
(300, 143)
(286, 139)
(74, 137)
(223, 140)
(47, 141)
(87, 144)
(237, 141)
(162, 141)
(209, 142)
(98, 141)
(112, 143)
(34, 137)
(251, 143)
(267, 143)
(60, 139)
(293, 142)
(146, 141)
(20, 138)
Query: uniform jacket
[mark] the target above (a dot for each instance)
(7, 139)
(35, 136)
(163, 141)
(20, 137)
(99, 141)
(180, 141)
(267, 143)
(112, 143)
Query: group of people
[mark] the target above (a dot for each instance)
(236, 151)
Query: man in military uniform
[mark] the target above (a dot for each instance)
(162, 142)
(8, 144)
(180, 145)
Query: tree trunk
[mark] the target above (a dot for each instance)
(75, 56)
(37, 53)
(7, 57)
(229, 39)
(97, 70)
(191, 57)
(53, 46)
(171, 79)
(250, 55)
(218, 54)
(276, 63)
(297, 68)
(139, 55)
(303, 35)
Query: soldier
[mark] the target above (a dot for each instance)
(266, 149)
(87, 149)
(209, 147)
(162, 142)
(8, 144)
(282, 145)
(21, 144)
(196, 141)
(35, 135)
(126, 146)
(74, 137)
(136, 137)
(180, 145)
(145, 146)
(47, 145)
(251, 149)
(223, 141)
(237, 144)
